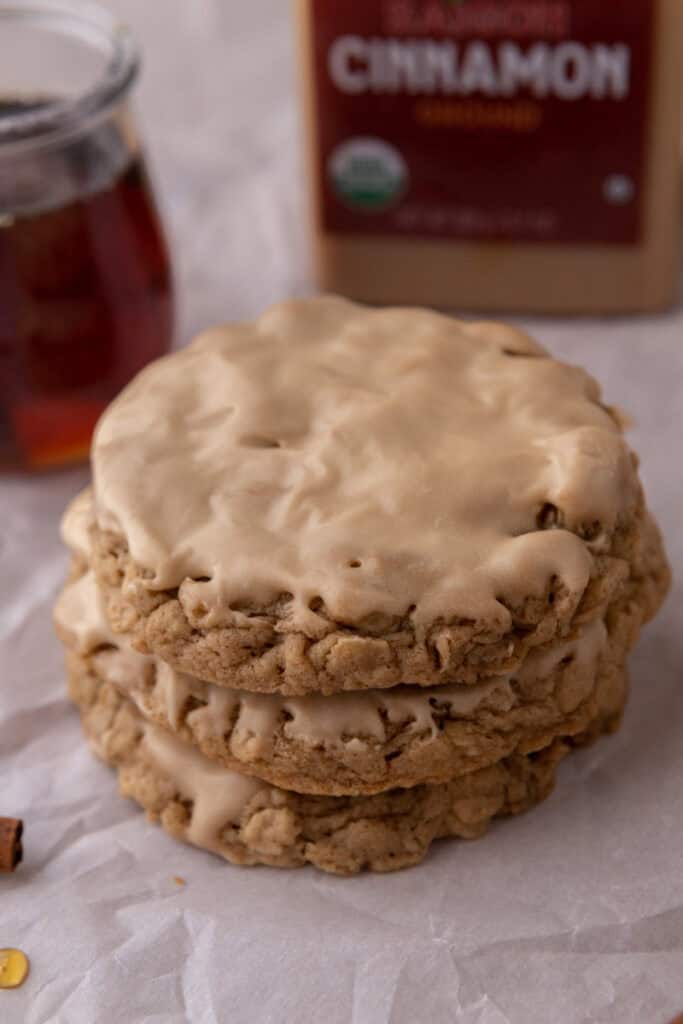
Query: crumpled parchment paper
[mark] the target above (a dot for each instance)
(570, 914)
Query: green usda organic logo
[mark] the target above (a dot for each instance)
(368, 174)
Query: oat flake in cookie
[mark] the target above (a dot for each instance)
(335, 498)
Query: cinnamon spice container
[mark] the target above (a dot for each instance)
(495, 154)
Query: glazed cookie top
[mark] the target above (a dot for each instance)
(378, 461)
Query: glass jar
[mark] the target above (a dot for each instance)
(85, 283)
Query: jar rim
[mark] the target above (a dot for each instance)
(91, 24)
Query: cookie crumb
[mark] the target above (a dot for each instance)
(178, 880)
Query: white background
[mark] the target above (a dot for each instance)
(573, 913)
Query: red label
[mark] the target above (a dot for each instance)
(483, 119)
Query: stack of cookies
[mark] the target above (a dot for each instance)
(351, 580)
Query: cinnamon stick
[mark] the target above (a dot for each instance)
(11, 850)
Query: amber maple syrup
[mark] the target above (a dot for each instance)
(85, 296)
